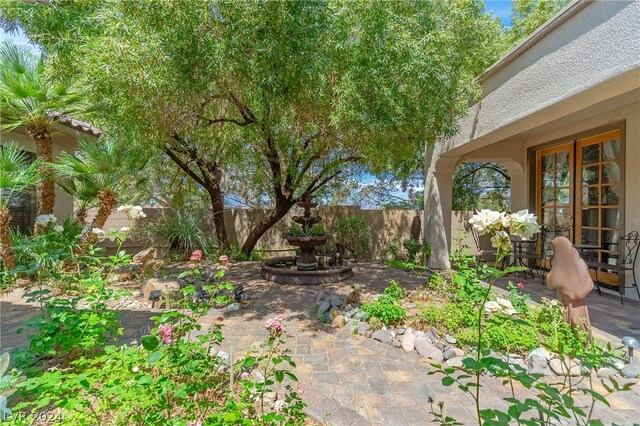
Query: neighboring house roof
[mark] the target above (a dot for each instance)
(76, 124)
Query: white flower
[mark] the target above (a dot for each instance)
(58, 228)
(487, 221)
(501, 241)
(45, 219)
(491, 307)
(133, 212)
(99, 233)
(523, 224)
(124, 229)
(506, 307)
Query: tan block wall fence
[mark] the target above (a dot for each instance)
(386, 225)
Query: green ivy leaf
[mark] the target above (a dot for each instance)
(150, 342)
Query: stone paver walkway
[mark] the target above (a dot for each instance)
(348, 379)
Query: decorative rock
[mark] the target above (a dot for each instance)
(538, 365)
(631, 370)
(617, 363)
(360, 315)
(363, 327)
(382, 336)
(154, 295)
(323, 307)
(400, 331)
(540, 353)
(449, 353)
(336, 301)
(455, 362)
(224, 357)
(408, 341)
(168, 287)
(339, 321)
(326, 318)
(606, 372)
(559, 368)
(450, 339)
(429, 334)
(419, 333)
(144, 256)
(320, 297)
(352, 325)
(368, 334)
(257, 376)
(458, 351)
(427, 350)
(396, 343)
(233, 307)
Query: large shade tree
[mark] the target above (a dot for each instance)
(29, 98)
(299, 93)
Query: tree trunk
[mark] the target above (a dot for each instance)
(281, 210)
(81, 216)
(44, 148)
(8, 257)
(217, 207)
(107, 203)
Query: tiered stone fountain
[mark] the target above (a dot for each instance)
(305, 269)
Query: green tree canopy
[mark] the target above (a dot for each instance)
(298, 93)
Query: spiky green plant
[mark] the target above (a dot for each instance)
(17, 176)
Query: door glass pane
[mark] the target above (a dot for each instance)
(562, 216)
(547, 216)
(590, 195)
(611, 172)
(610, 218)
(562, 160)
(562, 178)
(563, 196)
(547, 162)
(610, 195)
(611, 150)
(547, 197)
(590, 217)
(590, 154)
(610, 240)
(590, 236)
(610, 258)
(547, 179)
(590, 175)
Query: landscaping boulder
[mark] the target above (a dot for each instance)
(320, 297)
(606, 373)
(408, 341)
(363, 327)
(352, 325)
(169, 287)
(144, 256)
(323, 307)
(538, 365)
(383, 336)
(560, 368)
(455, 362)
(428, 350)
(339, 321)
(631, 370)
(541, 353)
(326, 318)
(396, 343)
(336, 301)
(360, 315)
(450, 339)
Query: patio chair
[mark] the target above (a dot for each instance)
(526, 253)
(626, 261)
(483, 255)
(547, 234)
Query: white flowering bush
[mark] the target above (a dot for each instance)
(45, 220)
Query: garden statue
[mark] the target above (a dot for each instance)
(570, 278)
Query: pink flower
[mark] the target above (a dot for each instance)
(166, 331)
(274, 325)
(300, 390)
(220, 318)
(196, 423)
(244, 375)
(196, 255)
(520, 286)
(191, 266)
(224, 259)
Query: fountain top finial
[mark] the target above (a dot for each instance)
(307, 204)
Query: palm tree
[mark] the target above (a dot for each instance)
(17, 176)
(95, 174)
(28, 98)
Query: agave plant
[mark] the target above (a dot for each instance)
(17, 176)
(28, 98)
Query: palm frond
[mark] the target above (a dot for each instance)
(17, 173)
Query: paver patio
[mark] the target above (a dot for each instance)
(347, 379)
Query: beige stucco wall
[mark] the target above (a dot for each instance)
(64, 139)
(385, 225)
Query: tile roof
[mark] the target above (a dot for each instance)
(76, 124)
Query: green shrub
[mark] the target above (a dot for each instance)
(386, 309)
(183, 230)
(416, 250)
(354, 233)
(394, 290)
(405, 266)
(436, 282)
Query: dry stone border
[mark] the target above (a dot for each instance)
(443, 349)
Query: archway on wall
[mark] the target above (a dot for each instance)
(481, 186)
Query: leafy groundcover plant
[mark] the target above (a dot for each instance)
(75, 373)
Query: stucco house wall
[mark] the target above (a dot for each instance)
(578, 75)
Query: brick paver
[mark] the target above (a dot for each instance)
(349, 379)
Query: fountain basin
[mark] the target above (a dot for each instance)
(283, 270)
